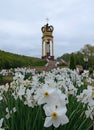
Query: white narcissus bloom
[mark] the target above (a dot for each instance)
(86, 95)
(6, 87)
(58, 99)
(27, 83)
(1, 96)
(14, 109)
(55, 116)
(43, 95)
(9, 112)
(21, 91)
(91, 103)
(29, 100)
(90, 113)
(18, 76)
(49, 81)
(1, 122)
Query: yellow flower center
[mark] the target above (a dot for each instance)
(56, 106)
(92, 92)
(46, 94)
(48, 83)
(54, 115)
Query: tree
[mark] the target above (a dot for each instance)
(72, 61)
(88, 50)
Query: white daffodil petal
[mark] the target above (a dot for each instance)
(48, 122)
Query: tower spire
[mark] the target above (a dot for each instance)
(47, 19)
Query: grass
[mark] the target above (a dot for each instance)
(10, 60)
(6, 79)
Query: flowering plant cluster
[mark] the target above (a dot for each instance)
(52, 100)
(25, 70)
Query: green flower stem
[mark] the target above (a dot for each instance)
(36, 118)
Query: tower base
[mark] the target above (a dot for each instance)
(48, 57)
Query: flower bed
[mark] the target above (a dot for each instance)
(52, 100)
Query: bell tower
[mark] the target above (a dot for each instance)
(47, 42)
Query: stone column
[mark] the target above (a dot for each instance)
(52, 48)
(42, 49)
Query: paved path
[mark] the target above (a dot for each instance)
(50, 65)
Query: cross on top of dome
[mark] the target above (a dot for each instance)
(47, 19)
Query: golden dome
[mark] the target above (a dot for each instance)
(47, 30)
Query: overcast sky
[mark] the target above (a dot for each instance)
(21, 22)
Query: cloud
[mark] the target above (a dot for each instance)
(21, 22)
(12, 27)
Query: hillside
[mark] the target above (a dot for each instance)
(9, 60)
